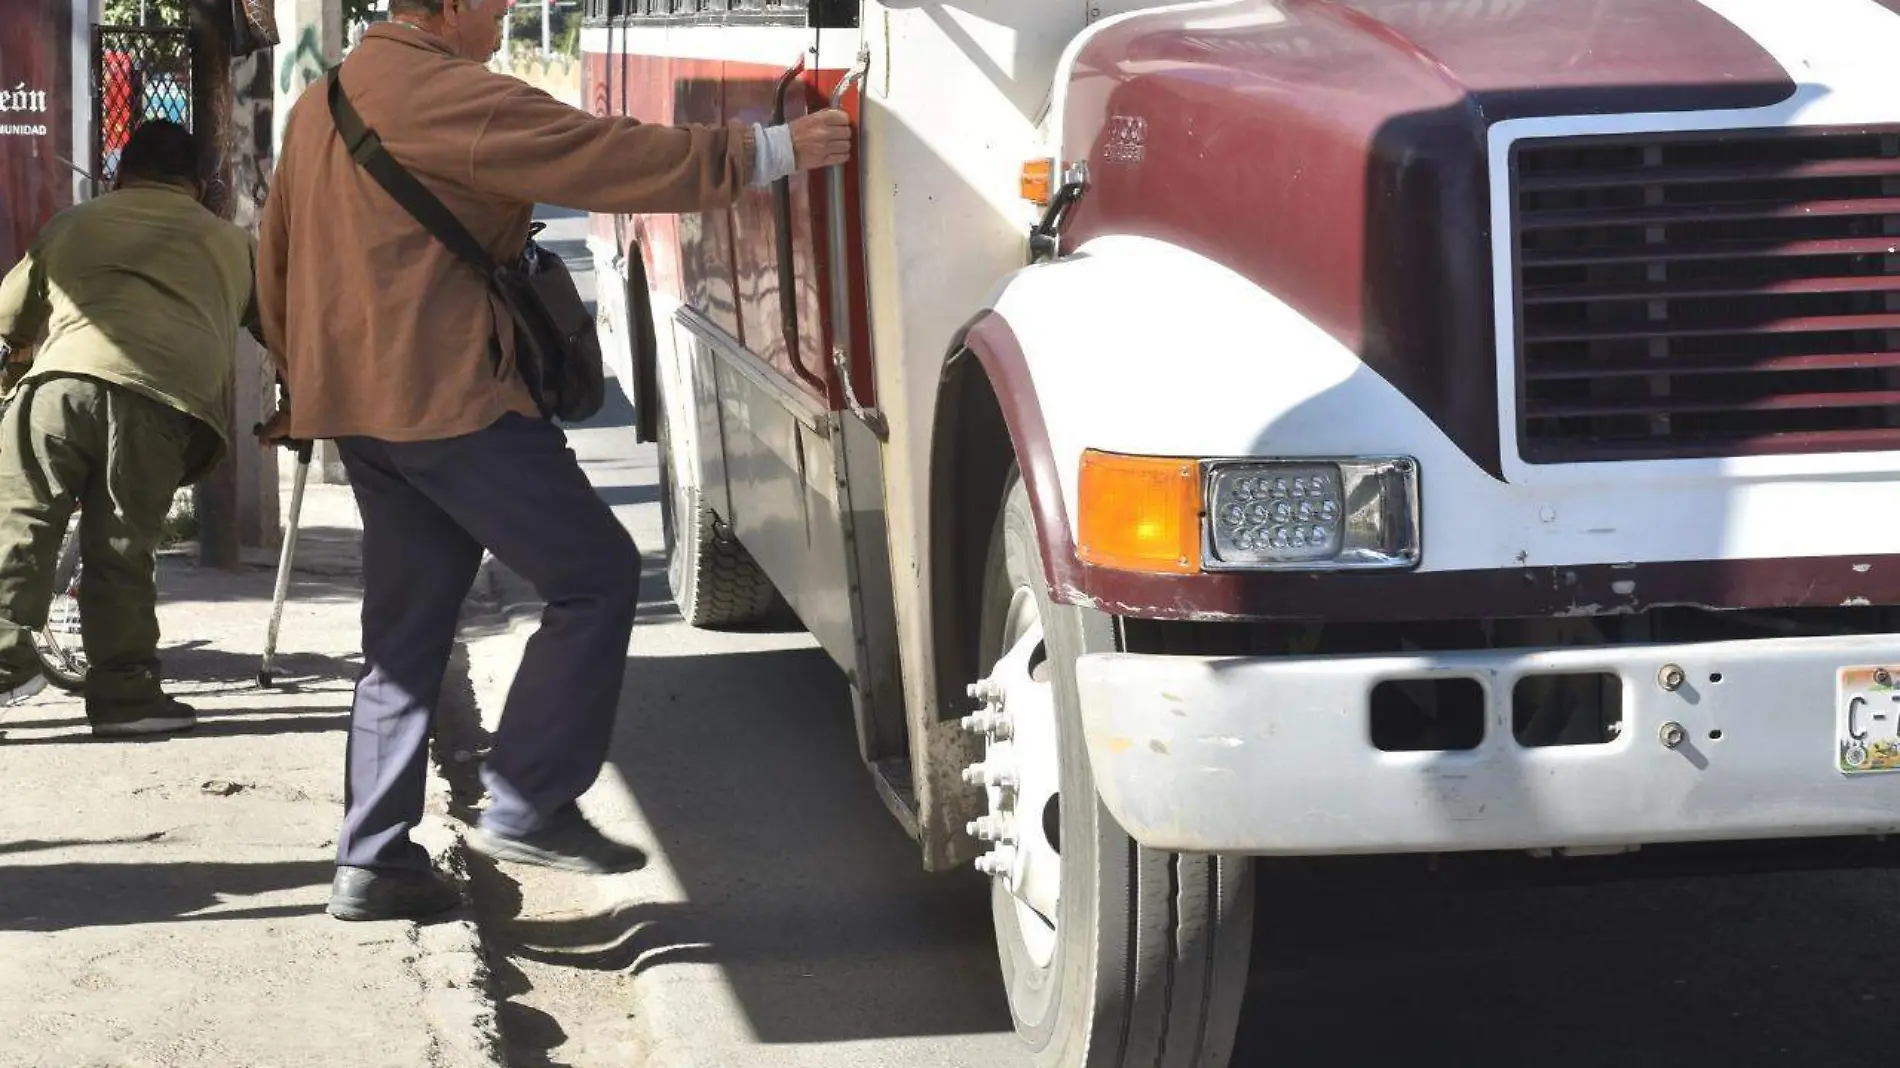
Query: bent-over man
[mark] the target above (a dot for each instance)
(132, 303)
(394, 348)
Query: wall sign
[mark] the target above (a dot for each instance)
(23, 111)
(43, 59)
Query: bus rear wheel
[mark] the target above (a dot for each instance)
(715, 582)
(1113, 955)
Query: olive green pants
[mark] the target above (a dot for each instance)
(119, 456)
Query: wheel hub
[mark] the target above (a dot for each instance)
(1020, 774)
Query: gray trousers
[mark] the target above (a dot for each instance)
(429, 508)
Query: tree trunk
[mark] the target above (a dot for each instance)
(260, 521)
(216, 496)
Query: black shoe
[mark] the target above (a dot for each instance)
(139, 718)
(395, 894)
(571, 845)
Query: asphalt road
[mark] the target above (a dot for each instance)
(788, 922)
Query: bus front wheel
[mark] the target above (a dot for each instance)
(1113, 955)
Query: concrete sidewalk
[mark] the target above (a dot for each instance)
(161, 902)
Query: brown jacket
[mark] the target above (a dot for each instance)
(379, 331)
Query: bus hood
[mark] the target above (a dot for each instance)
(1335, 152)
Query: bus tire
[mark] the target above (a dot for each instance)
(715, 581)
(1146, 961)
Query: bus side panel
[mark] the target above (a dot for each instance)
(952, 112)
(747, 372)
(644, 87)
(705, 239)
(763, 436)
(750, 97)
(604, 77)
(781, 474)
(788, 335)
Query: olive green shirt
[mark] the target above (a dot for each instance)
(142, 288)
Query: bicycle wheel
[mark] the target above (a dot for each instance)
(62, 653)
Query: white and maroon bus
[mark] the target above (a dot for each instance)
(1206, 431)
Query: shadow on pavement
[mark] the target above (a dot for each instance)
(226, 726)
(193, 661)
(798, 883)
(630, 939)
(206, 715)
(34, 845)
(622, 496)
(58, 897)
(1368, 962)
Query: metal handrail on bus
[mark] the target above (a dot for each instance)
(839, 245)
(787, 263)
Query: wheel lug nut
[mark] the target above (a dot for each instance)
(990, 829)
(997, 861)
(985, 690)
(987, 775)
(987, 722)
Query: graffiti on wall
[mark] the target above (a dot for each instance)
(301, 64)
(251, 135)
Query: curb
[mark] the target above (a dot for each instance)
(452, 965)
(451, 959)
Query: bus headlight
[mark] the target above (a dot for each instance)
(1311, 515)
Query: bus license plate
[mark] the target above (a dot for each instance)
(1868, 720)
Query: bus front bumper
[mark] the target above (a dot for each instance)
(1275, 756)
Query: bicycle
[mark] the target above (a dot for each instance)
(59, 644)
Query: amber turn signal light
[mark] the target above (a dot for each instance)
(1038, 183)
(1140, 513)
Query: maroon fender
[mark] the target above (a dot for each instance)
(994, 345)
(1334, 151)
(1388, 596)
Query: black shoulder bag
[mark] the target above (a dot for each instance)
(557, 348)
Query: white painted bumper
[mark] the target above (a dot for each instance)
(1273, 755)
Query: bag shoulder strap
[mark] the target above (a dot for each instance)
(367, 149)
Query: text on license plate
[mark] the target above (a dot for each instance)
(1868, 720)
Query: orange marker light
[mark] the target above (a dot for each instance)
(1039, 177)
(1140, 513)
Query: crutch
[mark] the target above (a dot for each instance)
(266, 675)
